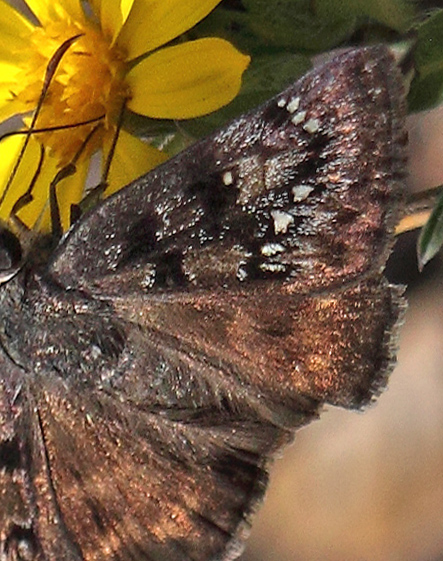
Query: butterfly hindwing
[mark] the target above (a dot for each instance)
(163, 451)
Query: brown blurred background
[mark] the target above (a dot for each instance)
(369, 486)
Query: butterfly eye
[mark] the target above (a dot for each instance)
(10, 255)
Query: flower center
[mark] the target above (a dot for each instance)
(88, 84)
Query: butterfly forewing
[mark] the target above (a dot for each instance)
(305, 190)
(187, 326)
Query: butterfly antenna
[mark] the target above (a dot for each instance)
(49, 74)
(95, 194)
(27, 197)
(55, 128)
(110, 156)
(66, 171)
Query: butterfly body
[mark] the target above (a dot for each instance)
(182, 330)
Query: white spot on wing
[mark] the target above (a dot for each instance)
(270, 249)
(242, 274)
(282, 220)
(293, 105)
(95, 351)
(281, 102)
(312, 125)
(227, 178)
(273, 267)
(298, 117)
(301, 192)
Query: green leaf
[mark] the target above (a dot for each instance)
(395, 14)
(231, 25)
(427, 86)
(426, 92)
(429, 50)
(270, 73)
(145, 127)
(431, 235)
(298, 24)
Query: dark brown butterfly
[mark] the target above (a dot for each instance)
(185, 328)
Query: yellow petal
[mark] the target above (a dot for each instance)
(8, 71)
(132, 159)
(8, 76)
(69, 191)
(8, 108)
(152, 23)
(38, 210)
(12, 56)
(9, 152)
(10, 85)
(15, 30)
(187, 80)
(47, 11)
(113, 14)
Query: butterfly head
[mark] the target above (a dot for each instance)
(10, 254)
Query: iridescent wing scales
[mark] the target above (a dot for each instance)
(186, 327)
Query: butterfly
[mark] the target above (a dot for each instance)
(154, 363)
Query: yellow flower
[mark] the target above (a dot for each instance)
(111, 52)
